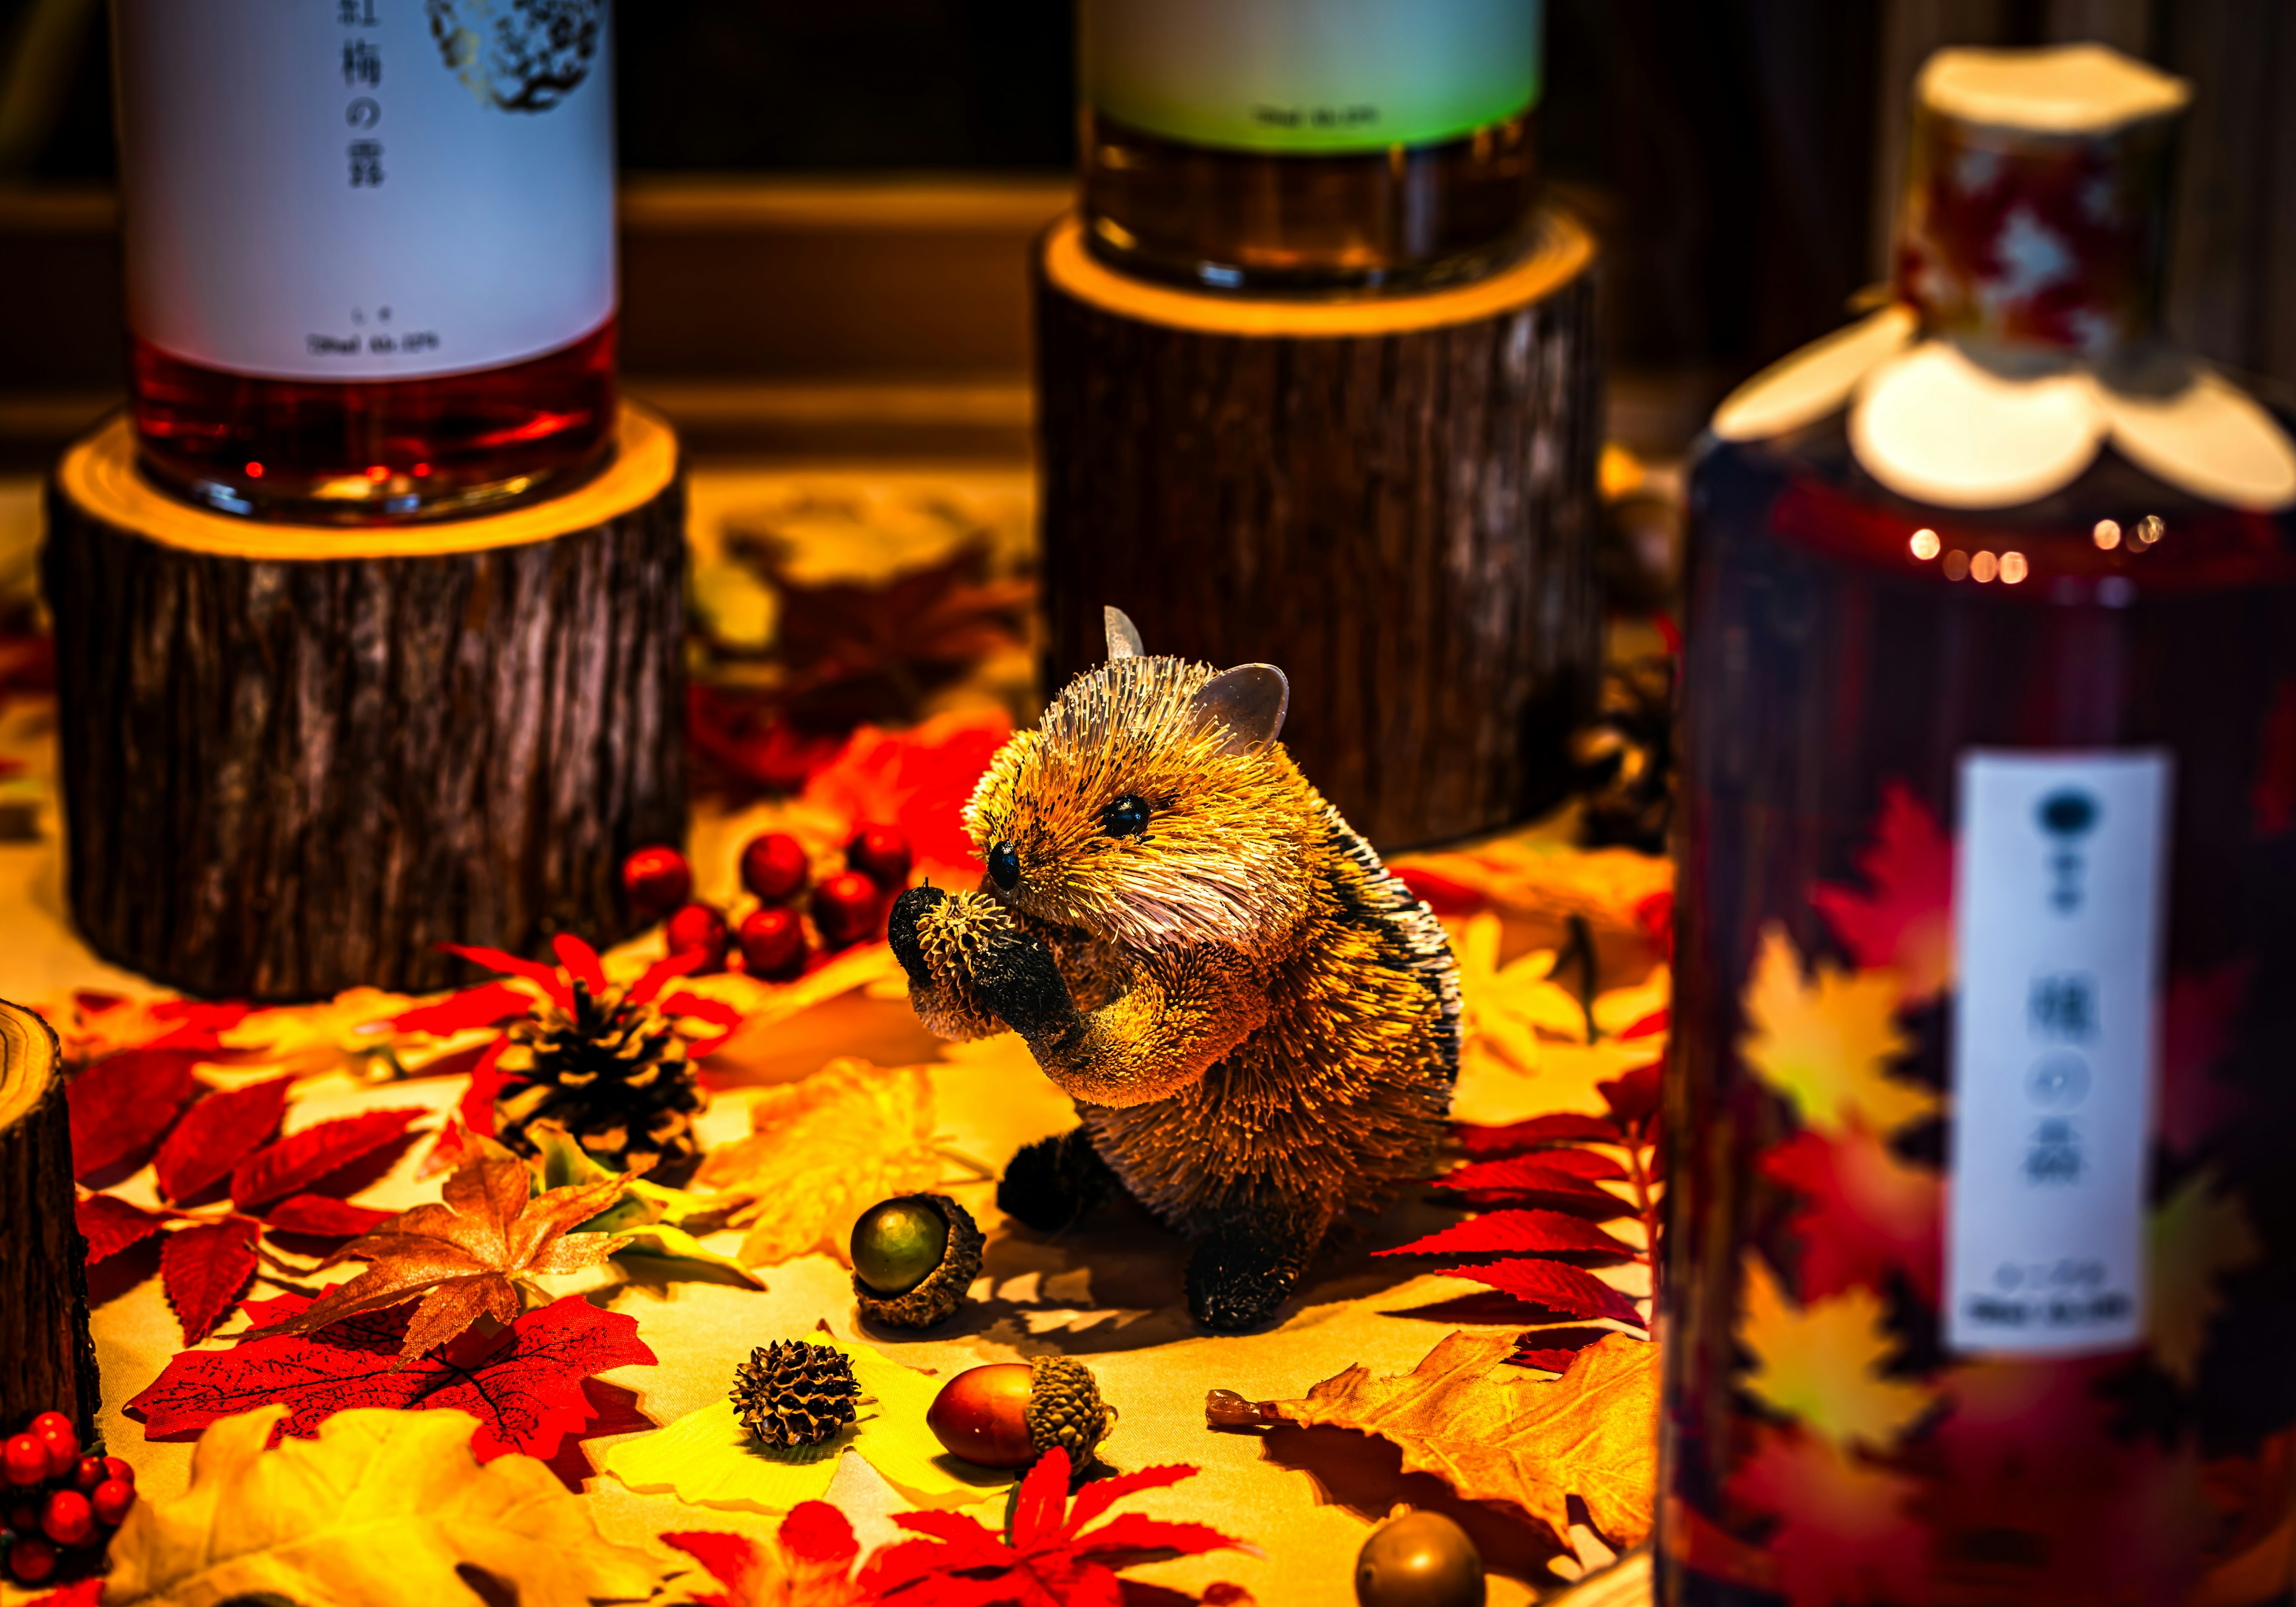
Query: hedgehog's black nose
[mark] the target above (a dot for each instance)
(1003, 865)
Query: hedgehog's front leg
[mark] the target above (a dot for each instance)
(1246, 1267)
(941, 940)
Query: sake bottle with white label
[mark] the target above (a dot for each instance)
(1982, 1249)
(370, 250)
(1291, 145)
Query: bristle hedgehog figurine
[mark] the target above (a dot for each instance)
(1258, 1023)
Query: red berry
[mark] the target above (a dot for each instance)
(31, 1559)
(114, 1468)
(68, 1519)
(845, 907)
(25, 1460)
(773, 945)
(61, 1444)
(111, 1500)
(774, 867)
(657, 880)
(699, 926)
(88, 1475)
(882, 855)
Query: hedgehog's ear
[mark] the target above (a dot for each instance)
(1248, 702)
(1123, 636)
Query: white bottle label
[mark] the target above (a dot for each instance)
(2058, 888)
(1309, 77)
(365, 188)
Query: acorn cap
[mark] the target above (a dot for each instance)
(936, 1299)
(1065, 1408)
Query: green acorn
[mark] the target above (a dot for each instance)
(913, 1258)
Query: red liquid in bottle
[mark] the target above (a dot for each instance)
(378, 450)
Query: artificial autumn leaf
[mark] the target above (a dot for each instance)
(110, 1225)
(707, 1459)
(1905, 923)
(1845, 1532)
(382, 1508)
(1522, 1179)
(323, 1216)
(524, 1385)
(822, 1151)
(2197, 1234)
(1821, 1364)
(1865, 1214)
(1493, 1434)
(470, 1256)
(1051, 1559)
(918, 780)
(1504, 1008)
(1530, 1232)
(1825, 1044)
(295, 1162)
(345, 1032)
(1540, 1132)
(122, 1105)
(202, 1268)
(807, 1562)
(215, 1134)
(1556, 1285)
(1528, 875)
(2198, 1023)
(93, 1026)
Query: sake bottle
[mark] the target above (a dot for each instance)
(1291, 145)
(1982, 1249)
(370, 250)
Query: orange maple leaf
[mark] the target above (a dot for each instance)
(1821, 1364)
(1826, 1043)
(1864, 1213)
(1844, 1533)
(1906, 923)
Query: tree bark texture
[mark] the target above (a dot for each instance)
(1393, 500)
(48, 1362)
(286, 776)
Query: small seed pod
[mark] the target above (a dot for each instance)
(913, 1258)
(1009, 1414)
(1419, 1560)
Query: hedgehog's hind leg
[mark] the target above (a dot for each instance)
(1053, 1182)
(1247, 1267)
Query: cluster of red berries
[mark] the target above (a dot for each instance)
(59, 1500)
(774, 941)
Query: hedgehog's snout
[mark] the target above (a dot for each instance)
(1005, 866)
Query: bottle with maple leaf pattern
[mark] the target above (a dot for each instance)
(1982, 1243)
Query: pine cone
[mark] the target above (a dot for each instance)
(613, 1074)
(791, 1393)
(1065, 1408)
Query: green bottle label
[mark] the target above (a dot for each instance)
(1310, 77)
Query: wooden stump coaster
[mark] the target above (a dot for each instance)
(1392, 498)
(48, 1362)
(297, 758)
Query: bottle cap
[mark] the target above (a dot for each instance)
(2037, 198)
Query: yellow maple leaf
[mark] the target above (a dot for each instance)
(1505, 1008)
(1494, 1433)
(1826, 1043)
(1529, 872)
(820, 1152)
(1821, 1363)
(381, 1509)
(2198, 1234)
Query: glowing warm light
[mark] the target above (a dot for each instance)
(1925, 543)
(2107, 535)
(1983, 567)
(255, 471)
(421, 471)
(2012, 568)
(1956, 566)
(378, 473)
(2150, 529)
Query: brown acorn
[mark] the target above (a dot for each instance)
(913, 1258)
(1421, 1558)
(1009, 1414)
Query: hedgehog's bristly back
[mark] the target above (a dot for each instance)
(1227, 851)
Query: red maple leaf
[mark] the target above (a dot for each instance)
(1844, 1534)
(215, 1134)
(110, 1225)
(918, 780)
(523, 1384)
(1906, 922)
(1051, 1559)
(814, 1565)
(295, 1162)
(2197, 1022)
(1866, 1212)
(124, 1104)
(203, 1267)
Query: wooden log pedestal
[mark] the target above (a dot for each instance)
(48, 1362)
(297, 758)
(1391, 497)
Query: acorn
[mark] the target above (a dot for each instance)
(1007, 1414)
(1419, 1559)
(774, 867)
(656, 881)
(913, 1258)
(773, 944)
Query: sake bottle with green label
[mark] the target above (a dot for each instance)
(1309, 144)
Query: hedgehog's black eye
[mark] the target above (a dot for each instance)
(1003, 865)
(1127, 816)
